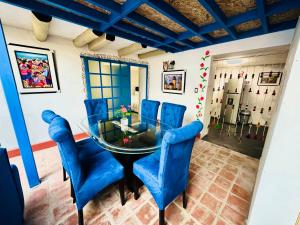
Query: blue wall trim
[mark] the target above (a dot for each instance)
(16, 113)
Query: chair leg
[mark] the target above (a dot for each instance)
(72, 192)
(64, 174)
(136, 189)
(80, 217)
(121, 190)
(184, 200)
(162, 217)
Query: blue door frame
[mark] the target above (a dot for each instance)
(16, 112)
(88, 73)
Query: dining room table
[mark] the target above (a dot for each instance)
(128, 142)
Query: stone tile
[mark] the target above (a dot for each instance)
(210, 202)
(146, 213)
(193, 191)
(222, 182)
(200, 213)
(132, 221)
(100, 220)
(174, 214)
(227, 174)
(118, 214)
(217, 192)
(238, 204)
(241, 192)
(232, 216)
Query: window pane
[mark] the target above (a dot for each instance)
(116, 81)
(109, 103)
(117, 103)
(105, 67)
(116, 92)
(110, 114)
(93, 66)
(95, 80)
(106, 80)
(96, 93)
(107, 93)
(115, 68)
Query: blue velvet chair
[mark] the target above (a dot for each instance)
(172, 114)
(165, 173)
(88, 177)
(87, 147)
(11, 194)
(149, 109)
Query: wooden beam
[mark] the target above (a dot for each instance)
(40, 26)
(151, 54)
(100, 42)
(85, 37)
(130, 49)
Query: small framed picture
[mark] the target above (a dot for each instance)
(165, 66)
(269, 79)
(173, 81)
(34, 69)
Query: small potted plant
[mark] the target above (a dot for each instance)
(124, 112)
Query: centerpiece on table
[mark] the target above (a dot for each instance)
(124, 113)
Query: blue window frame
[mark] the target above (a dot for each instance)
(110, 79)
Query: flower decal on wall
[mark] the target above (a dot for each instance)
(203, 84)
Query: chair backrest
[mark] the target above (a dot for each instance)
(172, 114)
(60, 133)
(11, 194)
(149, 109)
(97, 107)
(175, 157)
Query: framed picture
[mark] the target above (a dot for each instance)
(173, 81)
(34, 69)
(269, 79)
(165, 66)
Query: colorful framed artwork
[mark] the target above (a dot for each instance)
(173, 81)
(269, 79)
(34, 69)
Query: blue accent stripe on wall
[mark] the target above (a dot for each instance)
(16, 113)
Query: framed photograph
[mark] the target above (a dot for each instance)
(269, 79)
(34, 69)
(165, 66)
(173, 81)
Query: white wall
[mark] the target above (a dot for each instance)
(276, 198)
(68, 103)
(190, 60)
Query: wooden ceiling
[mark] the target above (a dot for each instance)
(174, 25)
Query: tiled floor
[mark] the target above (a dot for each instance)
(219, 192)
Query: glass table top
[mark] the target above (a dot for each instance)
(136, 135)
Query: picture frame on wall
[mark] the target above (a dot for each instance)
(269, 79)
(173, 82)
(34, 69)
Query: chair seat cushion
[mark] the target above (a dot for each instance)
(88, 148)
(100, 171)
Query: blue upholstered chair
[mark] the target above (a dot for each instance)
(172, 114)
(88, 177)
(87, 147)
(165, 173)
(11, 194)
(149, 109)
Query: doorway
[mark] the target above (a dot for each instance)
(243, 95)
(121, 83)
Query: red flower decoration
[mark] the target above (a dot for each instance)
(204, 74)
(207, 53)
(202, 64)
(197, 106)
(201, 98)
(201, 85)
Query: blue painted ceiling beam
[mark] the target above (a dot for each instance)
(78, 9)
(214, 10)
(282, 6)
(261, 9)
(242, 18)
(108, 5)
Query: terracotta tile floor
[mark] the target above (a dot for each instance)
(219, 193)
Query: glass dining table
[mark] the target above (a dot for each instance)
(129, 141)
